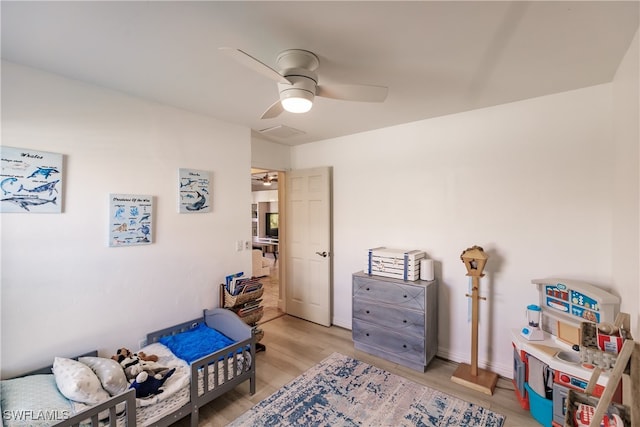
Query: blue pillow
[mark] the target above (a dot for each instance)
(196, 343)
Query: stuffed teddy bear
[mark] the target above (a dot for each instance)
(134, 364)
(146, 385)
(147, 357)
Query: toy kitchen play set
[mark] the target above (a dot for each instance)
(561, 343)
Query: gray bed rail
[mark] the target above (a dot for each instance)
(111, 405)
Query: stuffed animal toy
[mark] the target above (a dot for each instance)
(146, 385)
(125, 352)
(147, 357)
(133, 364)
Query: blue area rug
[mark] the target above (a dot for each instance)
(341, 391)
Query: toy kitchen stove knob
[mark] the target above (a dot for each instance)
(533, 331)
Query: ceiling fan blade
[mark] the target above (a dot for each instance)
(273, 111)
(255, 64)
(364, 93)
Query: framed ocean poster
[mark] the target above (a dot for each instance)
(30, 181)
(130, 220)
(194, 191)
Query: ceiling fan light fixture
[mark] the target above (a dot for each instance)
(298, 82)
(266, 183)
(296, 100)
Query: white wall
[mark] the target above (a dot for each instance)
(269, 155)
(63, 290)
(626, 227)
(530, 182)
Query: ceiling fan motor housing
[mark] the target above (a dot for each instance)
(297, 58)
(303, 84)
(298, 66)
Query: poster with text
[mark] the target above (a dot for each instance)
(130, 220)
(193, 191)
(30, 181)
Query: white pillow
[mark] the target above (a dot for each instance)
(109, 372)
(77, 382)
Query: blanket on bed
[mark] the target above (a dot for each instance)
(195, 343)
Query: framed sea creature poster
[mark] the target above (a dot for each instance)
(30, 181)
(130, 220)
(194, 195)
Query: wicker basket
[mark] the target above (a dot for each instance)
(253, 317)
(233, 300)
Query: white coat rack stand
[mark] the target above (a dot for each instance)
(471, 376)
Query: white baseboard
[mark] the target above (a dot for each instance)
(505, 371)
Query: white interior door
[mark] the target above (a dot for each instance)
(308, 244)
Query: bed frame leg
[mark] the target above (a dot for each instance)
(194, 417)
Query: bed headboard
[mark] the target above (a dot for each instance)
(228, 323)
(172, 330)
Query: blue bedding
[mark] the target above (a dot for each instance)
(196, 343)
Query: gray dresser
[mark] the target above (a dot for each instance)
(396, 319)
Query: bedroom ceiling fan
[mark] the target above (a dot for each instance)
(298, 82)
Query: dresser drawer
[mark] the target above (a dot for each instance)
(393, 317)
(410, 347)
(401, 295)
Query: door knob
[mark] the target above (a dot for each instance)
(322, 254)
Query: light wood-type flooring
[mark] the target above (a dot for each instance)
(294, 345)
(270, 296)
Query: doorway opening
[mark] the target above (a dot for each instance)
(267, 242)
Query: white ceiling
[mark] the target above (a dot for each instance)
(436, 58)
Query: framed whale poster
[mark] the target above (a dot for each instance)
(30, 181)
(130, 220)
(194, 195)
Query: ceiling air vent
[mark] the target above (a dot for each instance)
(281, 131)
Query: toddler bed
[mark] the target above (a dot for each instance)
(225, 365)
(34, 399)
(208, 370)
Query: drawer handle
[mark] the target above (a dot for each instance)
(404, 296)
(367, 334)
(404, 321)
(404, 346)
(368, 312)
(368, 289)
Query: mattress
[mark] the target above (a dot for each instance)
(176, 392)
